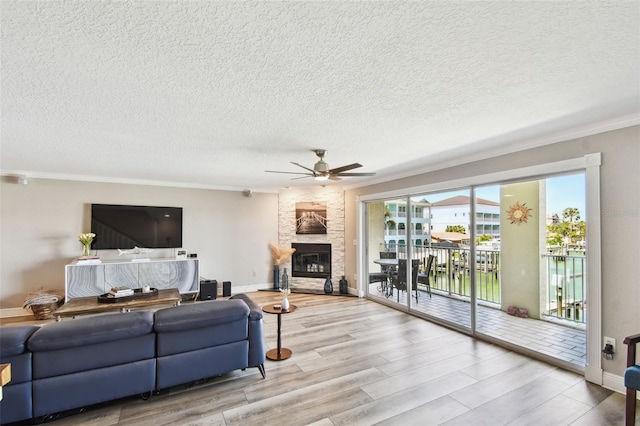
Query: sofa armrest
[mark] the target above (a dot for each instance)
(257, 347)
(255, 311)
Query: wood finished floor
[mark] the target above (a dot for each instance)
(562, 340)
(357, 362)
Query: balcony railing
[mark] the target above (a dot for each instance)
(393, 232)
(566, 287)
(450, 272)
(450, 275)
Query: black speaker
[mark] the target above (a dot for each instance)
(208, 289)
(226, 288)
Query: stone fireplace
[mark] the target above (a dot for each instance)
(311, 280)
(311, 260)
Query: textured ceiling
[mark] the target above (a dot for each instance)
(212, 94)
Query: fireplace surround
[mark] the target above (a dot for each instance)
(311, 260)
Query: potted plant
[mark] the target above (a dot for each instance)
(279, 255)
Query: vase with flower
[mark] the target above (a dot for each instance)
(86, 239)
(279, 255)
(284, 288)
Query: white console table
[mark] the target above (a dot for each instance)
(83, 280)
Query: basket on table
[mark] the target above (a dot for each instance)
(43, 303)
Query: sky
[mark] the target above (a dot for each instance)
(562, 192)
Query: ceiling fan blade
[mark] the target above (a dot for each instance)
(321, 170)
(344, 168)
(306, 168)
(290, 173)
(356, 174)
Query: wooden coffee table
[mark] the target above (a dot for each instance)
(5, 376)
(90, 305)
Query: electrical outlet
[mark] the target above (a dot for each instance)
(609, 341)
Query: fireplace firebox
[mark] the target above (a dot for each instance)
(311, 260)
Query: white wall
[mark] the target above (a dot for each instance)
(39, 224)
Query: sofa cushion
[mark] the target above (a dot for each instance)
(199, 364)
(198, 315)
(16, 403)
(54, 394)
(13, 339)
(91, 330)
(90, 357)
(632, 377)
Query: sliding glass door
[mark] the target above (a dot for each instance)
(441, 243)
(418, 248)
(504, 260)
(538, 263)
(387, 248)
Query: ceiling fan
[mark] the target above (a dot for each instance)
(321, 170)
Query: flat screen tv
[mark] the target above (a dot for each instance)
(124, 227)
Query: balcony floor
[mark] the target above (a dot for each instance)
(563, 340)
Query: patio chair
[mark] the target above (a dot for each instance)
(377, 277)
(382, 276)
(399, 279)
(631, 378)
(425, 277)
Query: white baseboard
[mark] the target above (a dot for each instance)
(613, 382)
(247, 288)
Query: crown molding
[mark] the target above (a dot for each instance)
(126, 181)
(506, 147)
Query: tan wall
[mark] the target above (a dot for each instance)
(520, 249)
(620, 218)
(376, 230)
(39, 224)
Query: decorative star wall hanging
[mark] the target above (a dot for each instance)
(519, 213)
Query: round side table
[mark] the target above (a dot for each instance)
(280, 353)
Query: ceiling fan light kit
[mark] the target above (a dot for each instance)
(321, 170)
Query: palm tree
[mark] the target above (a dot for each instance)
(456, 228)
(571, 214)
(388, 222)
(571, 228)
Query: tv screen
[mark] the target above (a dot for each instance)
(123, 227)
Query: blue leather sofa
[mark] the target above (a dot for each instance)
(16, 397)
(91, 360)
(77, 363)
